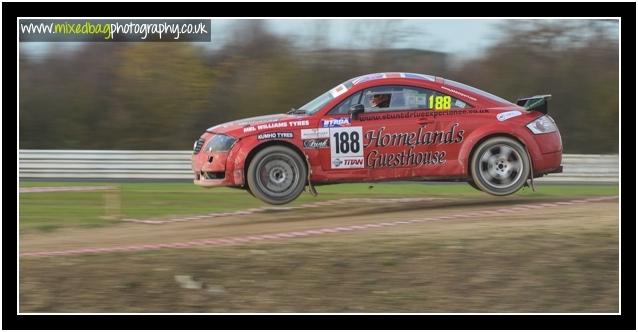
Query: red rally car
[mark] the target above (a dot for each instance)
(384, 127)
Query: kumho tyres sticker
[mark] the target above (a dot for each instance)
(346, 147)
(286, 135)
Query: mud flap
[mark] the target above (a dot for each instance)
(531, 171)
(311, 188)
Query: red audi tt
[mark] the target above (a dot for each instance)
(384, 127)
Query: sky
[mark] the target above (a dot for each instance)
(445, 35)
(460, 38)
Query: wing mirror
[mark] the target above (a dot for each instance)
(355, 110)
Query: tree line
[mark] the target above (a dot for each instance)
(163, 95)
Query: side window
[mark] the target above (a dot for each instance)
(344, 106)
(381, 98)
(400, 98)
(440, 102)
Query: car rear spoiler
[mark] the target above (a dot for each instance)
(536, 103)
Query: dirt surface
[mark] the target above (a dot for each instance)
(550, 259)
(127, 233)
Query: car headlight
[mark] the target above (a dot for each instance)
(219, 143)
(197, 146)
(543, 125)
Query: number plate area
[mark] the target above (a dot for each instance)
(346, 148)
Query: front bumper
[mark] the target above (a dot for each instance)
(209, 179)
(211, 183)
(209, 168)
(216, 168)
(229, 179)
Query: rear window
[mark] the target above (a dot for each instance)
(477, 91)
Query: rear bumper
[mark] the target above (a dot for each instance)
(546, 153)
(558, 169)
(548, 163)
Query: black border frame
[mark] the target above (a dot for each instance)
(627, 318)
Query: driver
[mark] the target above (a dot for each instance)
(380, 100)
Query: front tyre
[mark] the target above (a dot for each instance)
(277, 175)
(500, 166)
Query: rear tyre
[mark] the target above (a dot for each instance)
(277, 175)
(500, 166)
(473, 185)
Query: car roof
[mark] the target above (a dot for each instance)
(450, 85)
(379, 76)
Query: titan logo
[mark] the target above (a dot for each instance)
(353, 162)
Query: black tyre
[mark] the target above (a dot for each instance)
(473, 185)
(277, 175)
(250, 191)
(500, 166)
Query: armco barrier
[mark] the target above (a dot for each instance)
(105, 164)
(127, 164)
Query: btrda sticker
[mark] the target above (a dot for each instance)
(339, 122)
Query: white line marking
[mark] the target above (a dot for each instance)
(60, 189)
(269, 208)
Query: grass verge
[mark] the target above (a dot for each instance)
(50, 211)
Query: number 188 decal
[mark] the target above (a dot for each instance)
(346, 147)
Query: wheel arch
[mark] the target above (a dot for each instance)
(480, 141)
(251, 154)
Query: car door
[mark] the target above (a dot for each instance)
(394, 144)
(413, 136)
(339, 139)
(443, 134)
(383, 140)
